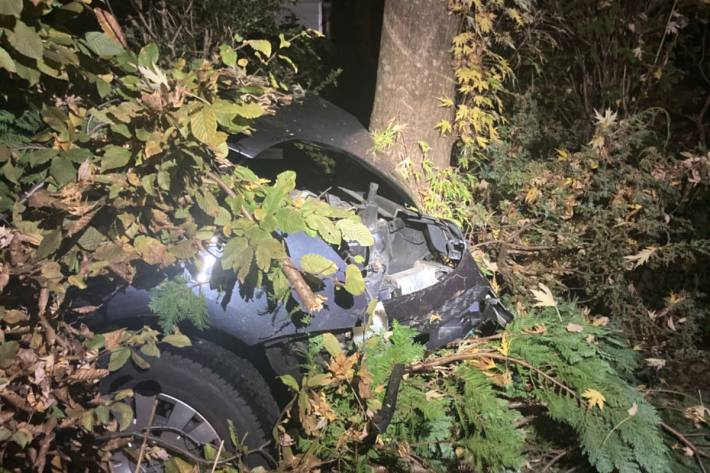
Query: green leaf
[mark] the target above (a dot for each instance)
(176, 465)
(354, 282)
(26, 41)
(114, 157)
(50, 243)
(249, 110)
(12, 173)
(266, 250)
(62, 170)
(290, 381)
(289, 221)
(6, 61)
(8, 350)
(208, 203)
(11, 7)
(41, 156)
(148, 55)
(228, 55)
(22, 437)
(331, 344)
(203, 125)
(325, 228)
(261, 45)
(353, 231)
(118, 358)
(177, 340)
(150, 349)
(123, 414)
(139, 360)
(102, 45)
(318, 265)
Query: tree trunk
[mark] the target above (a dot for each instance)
(415, 70)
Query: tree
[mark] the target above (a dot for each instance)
(414, 77)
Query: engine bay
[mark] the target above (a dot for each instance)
(411, 251)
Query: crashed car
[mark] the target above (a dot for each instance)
(419, 270)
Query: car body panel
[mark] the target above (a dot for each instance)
(315, 121)
(459, 302)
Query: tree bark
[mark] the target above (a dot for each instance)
(414, 70)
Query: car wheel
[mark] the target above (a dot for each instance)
(196, 391)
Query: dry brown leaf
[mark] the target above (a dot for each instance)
(574, 328)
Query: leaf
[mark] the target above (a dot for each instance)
(50, 243)
(656, 363)
(354, 282)
(249, 110)
(6, 61)
(594, 398)
(177, 340)
(353, 231)
(27, 41)
(102, 45)
(123, 413)
(290, 381)
(543, 296)
(11, 7)
(118, 358)
(150, 349)
(139, 361)
(114, 157)
(331, 344)
(22, 437)
(176, 465)
(8, 350)
(148, 55)
(325, 228)
(289, 221)
(574, 328)
(203, 125)
(228, 55)
(62, 170)
(261, 45)
(633, 410)
(318, 265)
(642, 257)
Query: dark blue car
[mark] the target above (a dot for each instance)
(419, 269)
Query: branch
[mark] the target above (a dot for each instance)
(445, 360)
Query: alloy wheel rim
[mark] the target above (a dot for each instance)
(177, 426)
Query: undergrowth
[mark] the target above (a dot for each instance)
(481, 405)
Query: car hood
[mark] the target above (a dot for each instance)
(311, 119)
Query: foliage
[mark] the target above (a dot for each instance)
(190, 29)
(174, 301)
(480, 68)
(463, 406)
(126, 176)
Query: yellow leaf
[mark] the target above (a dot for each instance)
(562, 154)
(543, 296)
(594, 398)
(532, 195)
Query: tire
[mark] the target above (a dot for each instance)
(216, 384)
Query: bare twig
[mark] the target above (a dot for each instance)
(699, 454)
(145, 436)
(554, 460)
(216, 459)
